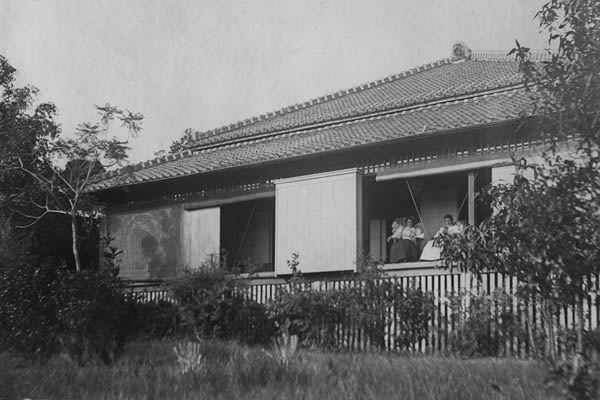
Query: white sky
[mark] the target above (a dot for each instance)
(203, 64)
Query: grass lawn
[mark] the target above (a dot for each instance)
(229, 371)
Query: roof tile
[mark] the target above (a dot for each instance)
(431, 82)
(505, 105)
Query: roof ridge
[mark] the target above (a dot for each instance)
(188, 153)
(145, 164)
(125, 172)
(478, 55)
(322, 99)
(501, 55)
(508, 90)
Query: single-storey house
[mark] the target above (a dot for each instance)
(326, 178)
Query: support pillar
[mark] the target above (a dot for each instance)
(471, 196)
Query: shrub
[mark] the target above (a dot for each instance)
(92, 313)
(483, 324)
(567, 341)
(213, 305)
(153, 320)
(48, 309)
(311, 315)
(28, 308)
(380, 302)
(369, 303)
(575, 378)
(414, 310)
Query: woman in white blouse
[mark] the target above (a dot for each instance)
(431, 252)
(403, 237)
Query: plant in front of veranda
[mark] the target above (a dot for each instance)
(213, 304)
(285, 346)
(309, 313)
(47, 309)
(414, 310)
(485, 324)
(542, 232)
(190, 358)
(545, 231)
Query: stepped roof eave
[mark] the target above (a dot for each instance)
(330, 123)
(409, 124)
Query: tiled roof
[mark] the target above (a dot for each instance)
(423, 119)
(435, 81)
(443, 95)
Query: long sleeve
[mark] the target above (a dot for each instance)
(398, 233)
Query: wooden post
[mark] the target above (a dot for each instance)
(471, 196)
(471, 221)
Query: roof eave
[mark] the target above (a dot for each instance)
(403, 139)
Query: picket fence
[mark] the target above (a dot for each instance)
(441, 326)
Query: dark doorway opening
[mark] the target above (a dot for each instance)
(248, 235)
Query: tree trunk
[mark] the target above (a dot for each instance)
(74, 240)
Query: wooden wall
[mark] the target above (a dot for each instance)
(318, 217)
(434, 205)
(150, 241)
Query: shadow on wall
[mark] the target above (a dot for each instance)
(150, 242)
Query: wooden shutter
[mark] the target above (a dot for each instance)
(201, 236)
(318, 217)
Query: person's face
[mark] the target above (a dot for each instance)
(410, 223)
(447, 221)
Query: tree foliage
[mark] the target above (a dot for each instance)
(44, 173)
(24, 128)
(545, 230)
(183, 142)
(179, 145)
(566, 87)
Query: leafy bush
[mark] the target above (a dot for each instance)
(28, 308)
(575, 378)
(378, 301)
(309, 314)
(213, 305)
(367, 304)
(482, 324)
(48, 309)
(567, 341)
(414, 310)
(153, 320)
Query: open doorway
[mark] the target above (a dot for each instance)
(248, 235)
(425, 200)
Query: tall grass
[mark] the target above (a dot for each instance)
(230, 371)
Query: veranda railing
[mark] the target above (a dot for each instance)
(443, 286)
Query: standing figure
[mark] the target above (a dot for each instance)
(404, 246)
(395, 249)
(408, 241)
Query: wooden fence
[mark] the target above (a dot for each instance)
(443, 323)
(148, 291)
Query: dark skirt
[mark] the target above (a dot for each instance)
(403, 250)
